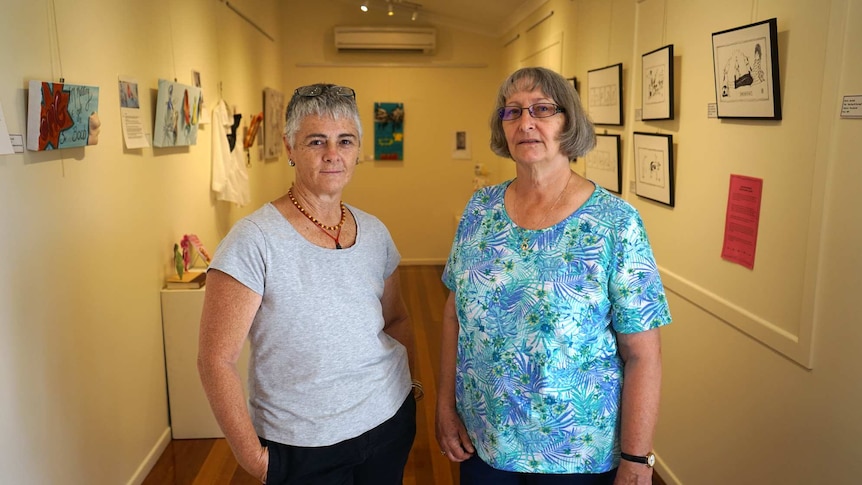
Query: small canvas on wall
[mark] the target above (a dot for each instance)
(273, 122)
(388, 131)
(62, 116)
(176, 115)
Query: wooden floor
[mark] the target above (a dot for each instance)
(210, 461)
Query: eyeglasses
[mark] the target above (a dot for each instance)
(538, 110)
(318, 89)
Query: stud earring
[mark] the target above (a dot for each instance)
(291, 162)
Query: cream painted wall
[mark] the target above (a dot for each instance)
(81, 360)
(739, 404)
(87, 233)
(420, 197)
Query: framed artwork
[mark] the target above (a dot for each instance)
(746, 71)
(273, 122)
(606, 95)
(574, 82)
(657, 84)
(604, 164)
(654, 167)
(62, 116)
(389, 131)
(177, 115)
(461, 146)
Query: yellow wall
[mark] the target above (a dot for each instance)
(417, 198)
(740, 404)
(86, 233)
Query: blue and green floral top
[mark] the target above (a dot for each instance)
(539, 378)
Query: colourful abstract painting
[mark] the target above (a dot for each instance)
(177, 115)
(62, 116)
(388, 131)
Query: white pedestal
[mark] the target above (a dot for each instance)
(191, 416)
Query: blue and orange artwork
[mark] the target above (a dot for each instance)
(177, 114)
(389, 131)
(62, 116)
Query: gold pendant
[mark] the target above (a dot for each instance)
(524, 246)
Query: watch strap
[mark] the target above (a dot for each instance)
(646, 460)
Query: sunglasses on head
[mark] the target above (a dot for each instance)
(318, 89)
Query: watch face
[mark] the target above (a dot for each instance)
(650, 460)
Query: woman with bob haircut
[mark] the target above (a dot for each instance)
(551, 356)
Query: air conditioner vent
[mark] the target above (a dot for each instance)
(404, 39)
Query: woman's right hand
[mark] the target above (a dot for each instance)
(452, 435)
(260, 465)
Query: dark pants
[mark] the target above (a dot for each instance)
(376, 457)
(476, 472)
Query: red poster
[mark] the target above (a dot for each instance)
(742, 220)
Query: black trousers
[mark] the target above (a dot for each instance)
(376, 457)
(475, 471)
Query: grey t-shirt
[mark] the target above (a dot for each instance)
(322, 370)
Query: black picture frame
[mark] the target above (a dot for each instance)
(745, 62)
(603, 164)
(605, 97)
(657, 84)
(653, 156)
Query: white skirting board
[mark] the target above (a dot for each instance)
(151, 458)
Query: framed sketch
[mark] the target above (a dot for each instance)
(606, 95)
(654, 167)
(746, 71)
(574, 82)
(604, 164)
(657, 84)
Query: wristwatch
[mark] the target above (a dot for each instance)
(648, 460)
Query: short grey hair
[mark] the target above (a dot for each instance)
(577, 137)
(326, 104)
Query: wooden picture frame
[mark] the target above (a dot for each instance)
(603, 164)
(657, 84)
(653, 154)
(745, 60)
(606, 95)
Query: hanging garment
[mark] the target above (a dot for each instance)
(229, 177)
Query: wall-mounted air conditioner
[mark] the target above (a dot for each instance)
(409, 39)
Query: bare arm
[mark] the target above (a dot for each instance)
(641, 354)
(396, 319)
(229, 309)
(451, 433)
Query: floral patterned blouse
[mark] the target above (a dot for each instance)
(539, 377)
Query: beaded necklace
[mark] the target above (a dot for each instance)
(317, 223)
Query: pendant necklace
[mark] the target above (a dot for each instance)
(524, 239)
(323, 227)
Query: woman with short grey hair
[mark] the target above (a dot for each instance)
(313, 284)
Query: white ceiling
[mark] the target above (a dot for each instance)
(487, 17)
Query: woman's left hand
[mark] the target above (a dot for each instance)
(630, 473)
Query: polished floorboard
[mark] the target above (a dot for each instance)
(210, 461)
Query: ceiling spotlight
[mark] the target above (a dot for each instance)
(364, 6)
(414, 16)
(391, 12)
